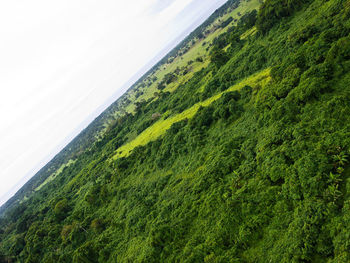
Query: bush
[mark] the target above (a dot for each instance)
(61, 209)
(218, 57)
(271, 11)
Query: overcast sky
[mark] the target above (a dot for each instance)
(62, 60)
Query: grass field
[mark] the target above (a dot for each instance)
(160, 127)
(249, 32)
(55, 174)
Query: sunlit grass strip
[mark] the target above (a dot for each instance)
(54, 175)
(249, 32)
(159, 128)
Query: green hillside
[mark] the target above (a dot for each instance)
(235, 147)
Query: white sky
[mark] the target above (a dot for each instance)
(61, 60)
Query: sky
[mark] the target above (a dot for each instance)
(63, 62)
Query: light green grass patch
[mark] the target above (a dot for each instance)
(249, 32)
(55, 174)
(159, 128)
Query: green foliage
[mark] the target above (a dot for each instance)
(61, 209)
(248, 20)
(271, 12)
(247, 161)
(219, 57)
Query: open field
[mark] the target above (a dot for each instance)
(160, 127)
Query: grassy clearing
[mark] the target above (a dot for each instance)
(55, 174)
(160, 127)
(249, 32)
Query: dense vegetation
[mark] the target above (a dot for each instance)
(103, 123)
(247, 161)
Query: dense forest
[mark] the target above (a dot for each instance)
(234, 148)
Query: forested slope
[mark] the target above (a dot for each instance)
(189, 56)
(240, 156)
